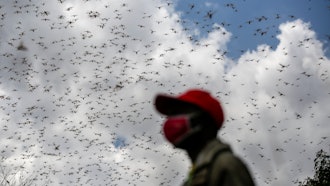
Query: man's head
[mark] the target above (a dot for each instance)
(190, 115)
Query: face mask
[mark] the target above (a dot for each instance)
(176, 127)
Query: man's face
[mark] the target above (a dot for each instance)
(179, 126)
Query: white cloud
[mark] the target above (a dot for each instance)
(65, 100)
(278, 93)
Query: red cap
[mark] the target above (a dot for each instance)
(170, 105)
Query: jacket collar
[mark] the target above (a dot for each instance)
(207, 153)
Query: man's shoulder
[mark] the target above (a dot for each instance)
(211, 151)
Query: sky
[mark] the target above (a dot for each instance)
(78, 81)
(254, 22)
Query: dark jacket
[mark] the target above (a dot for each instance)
(216, 165)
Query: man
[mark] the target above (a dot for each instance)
(192, 124)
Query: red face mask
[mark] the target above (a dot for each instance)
(175, 127)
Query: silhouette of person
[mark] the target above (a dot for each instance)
(192, 124)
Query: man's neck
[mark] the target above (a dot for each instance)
(195, 149)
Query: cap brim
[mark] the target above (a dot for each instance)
(168, 105)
